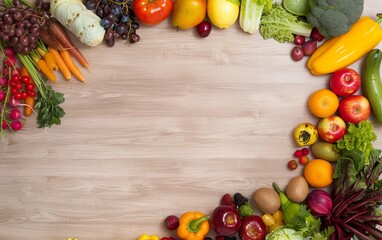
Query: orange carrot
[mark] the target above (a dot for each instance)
(59, 32)
(61, 64)
(71, 65)
(29, 105)
(43, 66)
(49, 58)
(24, 71)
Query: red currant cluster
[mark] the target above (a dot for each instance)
(21, 87)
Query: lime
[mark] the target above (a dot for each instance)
(297, 7)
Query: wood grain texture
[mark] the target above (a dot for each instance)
(163, 126)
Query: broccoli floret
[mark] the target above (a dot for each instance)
(334, 17)
(245, 210)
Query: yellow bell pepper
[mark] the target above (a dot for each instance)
(148, 237)
(193, 226)
(341, 51)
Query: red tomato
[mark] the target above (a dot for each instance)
(151, 12)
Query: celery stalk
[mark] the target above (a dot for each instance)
(251, 12)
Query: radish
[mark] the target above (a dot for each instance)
(13, 102)
(9, 61)
(9, 51)
(15, 114)
(16, 125)
(2, 95)
(3, 81)
(4, 125)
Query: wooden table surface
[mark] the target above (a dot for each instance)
(161, 127)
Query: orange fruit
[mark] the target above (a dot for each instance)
(323, 103)
(319, 173)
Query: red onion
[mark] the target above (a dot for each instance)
(319, 202)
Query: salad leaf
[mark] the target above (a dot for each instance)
(358, 137)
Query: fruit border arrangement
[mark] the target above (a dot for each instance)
(339, 192)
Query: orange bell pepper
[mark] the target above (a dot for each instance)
(193, 226)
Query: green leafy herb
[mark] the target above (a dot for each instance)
(49, 110)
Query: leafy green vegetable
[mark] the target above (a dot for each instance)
(281, 25)
(358, 137)
(251, 12)
(284, 233)
(333, 18)
(49, 110)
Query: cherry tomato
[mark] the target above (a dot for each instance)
(152, 12)
(25, 79)
(29, 87)
(292, 164)
(31, 94)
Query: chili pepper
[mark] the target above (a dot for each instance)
(193, 226)
(343, 50)
(148, 237)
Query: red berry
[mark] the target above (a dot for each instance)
(167, 238)
(297, 153)
(305, 151)
(292, 164)
(303, 160)
(226, 199)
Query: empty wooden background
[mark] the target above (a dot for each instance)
(164, 126)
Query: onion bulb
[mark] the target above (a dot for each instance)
(319, 202)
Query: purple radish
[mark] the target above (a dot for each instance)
(9, 61)
(16, 125)
(3, 81)
(13, 102)
(9, 51)
(15, 114)
(2, 95)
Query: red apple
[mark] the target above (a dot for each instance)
(252, 228)
(331, 129)
(354, 109)
(225, 220)
(345, 82)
